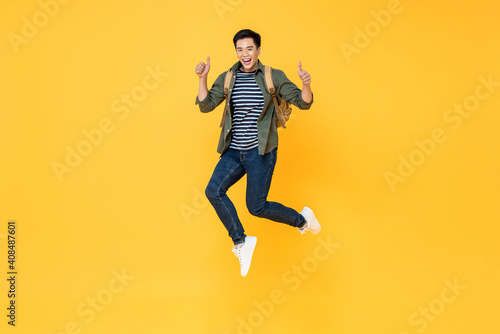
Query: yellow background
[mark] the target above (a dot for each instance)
(136, 203)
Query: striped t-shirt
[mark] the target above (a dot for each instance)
(248, 102)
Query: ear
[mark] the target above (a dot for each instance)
(258, 51)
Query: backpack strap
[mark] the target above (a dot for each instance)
(227, 82)
(268, 73)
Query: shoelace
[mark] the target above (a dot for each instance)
(237, 253)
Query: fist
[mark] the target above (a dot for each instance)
(304, 75)
(202, 69)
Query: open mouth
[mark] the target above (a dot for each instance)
(246, 61)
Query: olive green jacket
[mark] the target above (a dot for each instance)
(267, 122)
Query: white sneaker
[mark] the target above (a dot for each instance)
(311, 222)
(244, 254)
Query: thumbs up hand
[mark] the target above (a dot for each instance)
(304, 75)
(202, 69)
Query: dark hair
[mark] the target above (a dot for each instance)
(247, 33)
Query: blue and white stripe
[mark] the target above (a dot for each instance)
(248, 101)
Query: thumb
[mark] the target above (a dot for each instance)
(208, 60)
(300, 66)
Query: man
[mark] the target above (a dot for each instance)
(249, 141)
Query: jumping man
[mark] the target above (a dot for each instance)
(249, 141)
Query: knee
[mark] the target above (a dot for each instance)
(211, 192)
(214, 192)
(256, 209)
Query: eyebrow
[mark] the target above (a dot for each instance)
(248, 47)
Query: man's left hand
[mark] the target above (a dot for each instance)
(304, 75)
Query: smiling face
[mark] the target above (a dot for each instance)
(248, 54)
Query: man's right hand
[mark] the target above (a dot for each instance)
(202, 69)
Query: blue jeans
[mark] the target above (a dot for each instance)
(232, 166)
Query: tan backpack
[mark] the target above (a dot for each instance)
(283, 109)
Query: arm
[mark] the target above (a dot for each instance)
(303, 99)
(306, 84)
(202, 89)
(208, 100)
(202, 72)
(307, 94)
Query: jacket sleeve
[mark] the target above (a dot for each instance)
(214, 97)
(289, 91)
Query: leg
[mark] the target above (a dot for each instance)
(260, 170)
(227, 172)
